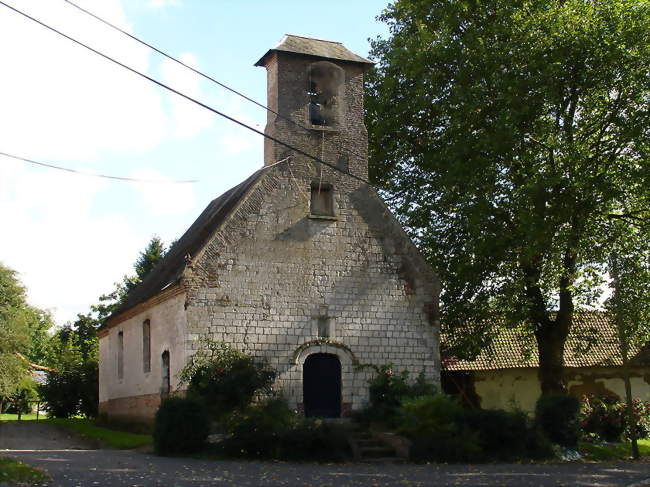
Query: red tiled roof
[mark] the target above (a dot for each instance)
(592, 342)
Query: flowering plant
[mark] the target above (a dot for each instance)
(604, 417)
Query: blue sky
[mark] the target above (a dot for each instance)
(70, 237)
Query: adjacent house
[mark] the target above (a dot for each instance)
(301, 264)
(504, 375)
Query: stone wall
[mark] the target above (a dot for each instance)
(272, 271)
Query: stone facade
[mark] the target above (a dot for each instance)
(277, 281)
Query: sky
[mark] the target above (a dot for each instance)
(72, 236)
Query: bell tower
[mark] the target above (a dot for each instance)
(316, 87)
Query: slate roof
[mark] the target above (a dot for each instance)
(315, 47)
(592, 342)
(170, 269)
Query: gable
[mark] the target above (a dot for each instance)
(170, 269)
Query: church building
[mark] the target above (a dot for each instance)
(301, 265)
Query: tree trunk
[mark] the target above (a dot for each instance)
(551, 338)
(631, 421)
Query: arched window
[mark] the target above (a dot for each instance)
(146, 346)
(325, 82)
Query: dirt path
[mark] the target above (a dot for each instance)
(35, 435)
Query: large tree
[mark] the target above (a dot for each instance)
(508, 136)
(23, 332)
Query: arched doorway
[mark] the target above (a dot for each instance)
(321, 383)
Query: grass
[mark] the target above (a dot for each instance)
(15, 472)
(614, 451)
(24, 417)
(120, 440)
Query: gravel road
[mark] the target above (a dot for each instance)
(60, 455)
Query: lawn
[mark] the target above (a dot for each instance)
(615, 451)
(24, 417)
(120, 440)
(15, 472)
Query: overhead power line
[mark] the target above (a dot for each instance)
(194, 70)
(97, 175)
(181, 94)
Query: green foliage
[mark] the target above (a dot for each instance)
(181, 426)
(604, 417)
(434, 425)
(273, 431)
(509, 138)
(507, 436)
(21, 401)
(71, 388)
(388, 389)
(256, 431)
(557, 416)
(23, 329)
(225, 379)
(15, 472)
(441, 430)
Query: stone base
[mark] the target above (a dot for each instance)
(134, 412)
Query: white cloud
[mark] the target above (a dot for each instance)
(60, 100)
(164, 199)
(66, 256)
(189, 118)
(61, 103)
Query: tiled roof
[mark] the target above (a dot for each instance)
(592, 342)
(315, 47)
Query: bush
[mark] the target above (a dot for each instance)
(315, 440)
(388, 389)
(181, 426)
(604, 417)
(225, 379)
(505, 435)
(271, 430)
(256, 432)
(20, 402)
(435, 426)
(557, 416)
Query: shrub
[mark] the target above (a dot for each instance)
(256, 432)
(435, 426)
(557, 416)
(271, 430)
(315, 440)
(388, 389)
(181, 426)
(505, 435)
(63, 385)
(604, 417)
(225, 379)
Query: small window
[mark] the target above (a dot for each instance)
(323, 327)
(120, 355)
(146, 346)
(166, 375)
(322, 200)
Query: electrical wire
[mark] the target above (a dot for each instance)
(183, 95)
(97, 175)
(194, 70)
